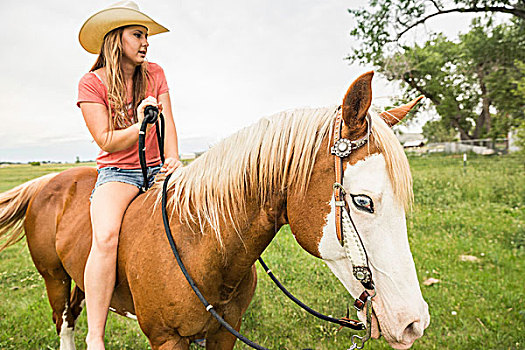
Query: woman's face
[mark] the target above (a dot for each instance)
(135, 44)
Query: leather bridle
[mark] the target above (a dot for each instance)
(346, 231)
(344, 225)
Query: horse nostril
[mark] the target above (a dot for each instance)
(413, 331)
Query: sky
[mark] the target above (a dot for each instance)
(228, 63)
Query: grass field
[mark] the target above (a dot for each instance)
(477, 211)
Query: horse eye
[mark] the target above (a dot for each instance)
(363, 202)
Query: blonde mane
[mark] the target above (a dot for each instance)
(264, 159)
(396, 160)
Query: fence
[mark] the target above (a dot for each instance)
(479, 146)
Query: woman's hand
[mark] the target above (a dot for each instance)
(149, 101)
(170, 165)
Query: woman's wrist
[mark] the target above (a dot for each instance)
(136, 126)
(176, 157)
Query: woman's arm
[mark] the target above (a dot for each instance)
(171, 148)
(96, 117)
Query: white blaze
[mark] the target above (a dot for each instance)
(384, 234)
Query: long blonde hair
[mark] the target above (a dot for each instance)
(110, 57)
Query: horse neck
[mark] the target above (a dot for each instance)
(243, 246)
(263, 221)
(258, 213)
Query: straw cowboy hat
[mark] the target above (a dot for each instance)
(122, 13)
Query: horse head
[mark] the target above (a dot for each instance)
(378, 189)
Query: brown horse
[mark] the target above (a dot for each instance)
(226, 208)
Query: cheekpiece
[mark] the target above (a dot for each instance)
(343, 147)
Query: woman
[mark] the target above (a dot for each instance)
(112, 97)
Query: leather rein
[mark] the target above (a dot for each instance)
(347, 234)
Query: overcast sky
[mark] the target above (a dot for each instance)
(228, 63)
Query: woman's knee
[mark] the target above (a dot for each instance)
(109, 203)
(106, 240)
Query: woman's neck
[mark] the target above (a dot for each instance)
(128, 69)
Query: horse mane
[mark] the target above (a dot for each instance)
(396, 160)
(267, 158)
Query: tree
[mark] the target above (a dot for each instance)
(386, 21)
(472, 82)
(435, 131)
(520, 92)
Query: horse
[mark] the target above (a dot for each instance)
(224, 210)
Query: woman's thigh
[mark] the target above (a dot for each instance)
(110, 201)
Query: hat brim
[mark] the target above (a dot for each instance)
(92, 33)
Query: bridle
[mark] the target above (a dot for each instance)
(346, 231)
(345, 228)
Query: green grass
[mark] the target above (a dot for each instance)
(477, 211)
(12, 175)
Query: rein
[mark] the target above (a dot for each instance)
(150, 117)
(344, 223)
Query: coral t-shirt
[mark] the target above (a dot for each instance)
(92, 89)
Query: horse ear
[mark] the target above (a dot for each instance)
(356, 103)
(395, 115)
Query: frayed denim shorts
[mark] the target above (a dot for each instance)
(129, 176)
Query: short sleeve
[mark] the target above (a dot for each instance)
(163, 84)
(158, 78)
(90, 89)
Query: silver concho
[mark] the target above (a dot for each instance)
(362, 274)
(342, 148)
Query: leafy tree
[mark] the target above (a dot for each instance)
(520, 93)
(472, 82)
(435, 131)
(386, 21)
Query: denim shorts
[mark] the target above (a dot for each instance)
(129, 176)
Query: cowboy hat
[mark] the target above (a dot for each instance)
(120, 14)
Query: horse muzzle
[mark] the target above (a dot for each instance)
(403, 333)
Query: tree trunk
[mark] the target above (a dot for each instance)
(463, 135)
(484, 117)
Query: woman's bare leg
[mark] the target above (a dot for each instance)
(108, 205)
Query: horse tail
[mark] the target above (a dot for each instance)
(13, 207)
